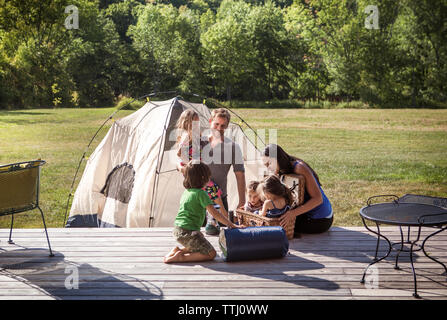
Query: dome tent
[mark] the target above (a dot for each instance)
(130, 180)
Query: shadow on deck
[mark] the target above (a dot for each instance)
(127, 264)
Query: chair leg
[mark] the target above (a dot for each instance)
(46, 233)
(10, 231)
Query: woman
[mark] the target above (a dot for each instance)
(315, 214)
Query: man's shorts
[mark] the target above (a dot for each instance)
(193, 241)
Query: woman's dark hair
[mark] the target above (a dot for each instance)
(273, 185)
(197, 174)
(284, 160)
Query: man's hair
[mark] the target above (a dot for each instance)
(221, 113)
(197, 174)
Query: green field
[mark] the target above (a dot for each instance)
(357, 153)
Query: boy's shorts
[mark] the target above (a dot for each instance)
(193, 241)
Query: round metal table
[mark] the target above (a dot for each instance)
(404, 214)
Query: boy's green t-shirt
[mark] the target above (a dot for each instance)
(192, 212)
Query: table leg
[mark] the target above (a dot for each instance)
(375, 260)
(423, 248)
(396, 266)
(415, 294)
(378, 242)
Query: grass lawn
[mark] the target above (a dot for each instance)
(357, 153)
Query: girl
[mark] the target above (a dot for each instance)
(315, 214)
(254, 198)
(186, 153)
(184, 138)
(279, 197)
(191, 215)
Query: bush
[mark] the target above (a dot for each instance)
(294, 104)
(128, 103)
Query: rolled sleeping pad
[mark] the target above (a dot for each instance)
(253, 243)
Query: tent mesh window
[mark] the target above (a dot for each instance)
(119, 183)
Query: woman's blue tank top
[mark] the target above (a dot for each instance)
(324, 210)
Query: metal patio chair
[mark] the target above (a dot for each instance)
(19, 191)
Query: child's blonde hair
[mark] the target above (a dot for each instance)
(184, 122)
(255, 186)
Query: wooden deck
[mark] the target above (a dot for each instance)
(127, 264)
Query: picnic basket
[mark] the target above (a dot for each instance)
(296, 184)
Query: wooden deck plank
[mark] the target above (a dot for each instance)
(155, 256)
(127, 264)
(320, 283)
(141, 259)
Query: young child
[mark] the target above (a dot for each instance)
(254, 199)
(278, 197)
(191, 215)
(184, 128)
(186, 153)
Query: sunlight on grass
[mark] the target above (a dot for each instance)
(356, 153)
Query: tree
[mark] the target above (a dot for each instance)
(226, 47)
(32, 40)
(167, 40)
(272, 47)
(93, 57)
(427, 39)
(360, 62)
(308, 74)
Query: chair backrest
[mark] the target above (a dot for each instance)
(416, 198)
(296, 184)
(19, 186)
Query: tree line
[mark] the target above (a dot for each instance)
(383, 52)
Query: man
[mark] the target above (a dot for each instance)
(220, 153)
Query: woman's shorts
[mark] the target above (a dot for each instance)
(193, 241)
(305, 224)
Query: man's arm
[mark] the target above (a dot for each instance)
(240, 179)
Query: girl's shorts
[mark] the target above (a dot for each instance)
(193, 241)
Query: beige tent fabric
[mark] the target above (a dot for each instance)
(145, 142)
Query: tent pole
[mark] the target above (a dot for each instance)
(157, 173)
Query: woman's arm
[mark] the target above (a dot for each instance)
(313, 190)
(219, 217)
